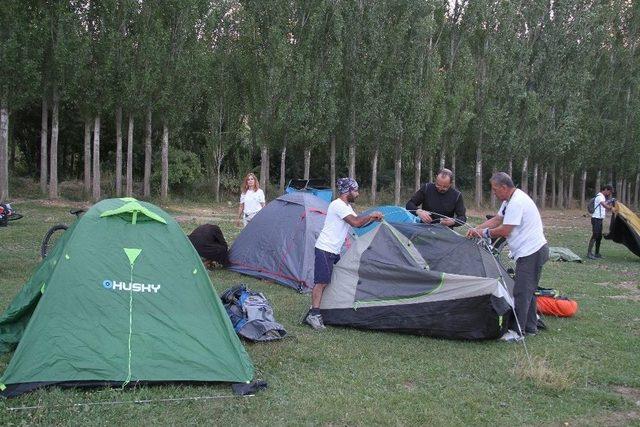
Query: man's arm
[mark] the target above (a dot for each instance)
(362, 220)
(460, 212)
(416, 200)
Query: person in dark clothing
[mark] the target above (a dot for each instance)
(602, 205)
(210, 244)
(439, 202)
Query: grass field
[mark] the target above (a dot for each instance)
(586, 369)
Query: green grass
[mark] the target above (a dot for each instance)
(345, 376)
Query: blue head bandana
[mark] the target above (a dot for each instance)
(345, 185)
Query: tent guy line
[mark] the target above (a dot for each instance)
(124, 402)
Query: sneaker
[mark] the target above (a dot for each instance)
(597, 256)
(591, 256)
(511, 336)
(315, 321)
(530, 333)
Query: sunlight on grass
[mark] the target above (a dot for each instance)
(542, 373)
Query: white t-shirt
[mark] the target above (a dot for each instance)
(252, 200)
(335, 228)
(600, 212)
(527, 235)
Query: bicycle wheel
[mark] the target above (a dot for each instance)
(51, 238)
(14, 216)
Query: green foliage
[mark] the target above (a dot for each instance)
(185, 169)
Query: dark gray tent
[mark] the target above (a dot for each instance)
(421, 279)
(278, 244)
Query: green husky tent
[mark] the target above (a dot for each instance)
(123, 298)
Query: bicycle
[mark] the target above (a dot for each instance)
(7, 213)
(54, 233)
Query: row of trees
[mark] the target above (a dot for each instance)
(167, 91)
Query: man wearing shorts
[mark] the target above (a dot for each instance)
(340, 217)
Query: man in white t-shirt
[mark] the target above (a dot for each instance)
(340, 218)
(518, 220)
(601, 206)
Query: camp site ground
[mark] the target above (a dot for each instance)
(584, 370)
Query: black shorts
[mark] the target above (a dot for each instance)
(324, 266)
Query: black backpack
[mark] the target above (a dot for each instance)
(591, 205)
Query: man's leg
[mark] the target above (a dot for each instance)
(542, 256)
(523, 289)
(323, 268)
(592, 240)
(598, 236)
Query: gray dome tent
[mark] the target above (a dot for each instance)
(421, 279)
(278, 244)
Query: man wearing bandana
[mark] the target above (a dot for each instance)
(340, 217)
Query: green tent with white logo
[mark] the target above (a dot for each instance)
(123, 298)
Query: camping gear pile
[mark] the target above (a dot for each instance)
(122, 299)
(251, 314)
(550, 303)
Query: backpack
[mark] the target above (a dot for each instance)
(591, 205)
(251, 314)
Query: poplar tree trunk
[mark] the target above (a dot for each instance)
(583, 189)
(129, 190)
(164, 178)
(398, 172)
(118, 151)
(453, 167)
(637, 192)
(283, 161)
(554, 192)
(87, 157)
(492, 197)
(622, 190)
(479, 173)
(4, 151)
(524, 179)
(146, 191)
(352, 147)
(543, 190)
(374, 175)
(534, 192)
(560, 193)
(430, 178)
(352, 160)
(332, 160)
(443, 159)
(417, 167)
(510, 167)
(53, 155)
(96, 159)
(570, 191)
(307, 162)
(619, 189)
(598, 181)
(44, 139)
(264, 168)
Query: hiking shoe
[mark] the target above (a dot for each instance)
(315, 321)
(511, 336)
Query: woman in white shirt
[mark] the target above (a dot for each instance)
(251, 199)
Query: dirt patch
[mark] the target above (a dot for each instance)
(631, 393)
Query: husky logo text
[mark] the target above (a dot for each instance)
(130, 286)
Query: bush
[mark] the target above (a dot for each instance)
(184, 170)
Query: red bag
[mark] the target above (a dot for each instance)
(559, 307)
